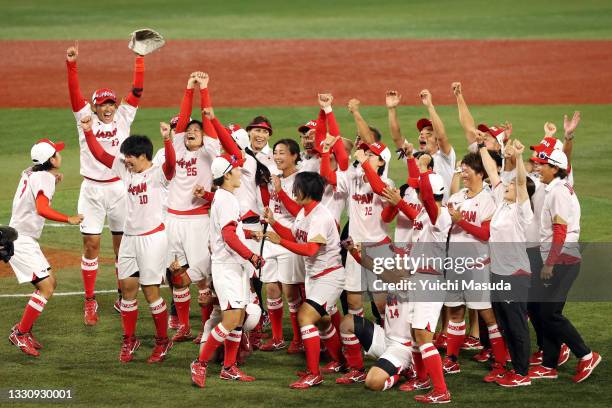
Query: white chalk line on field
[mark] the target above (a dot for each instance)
(62, 225)
(18, 295)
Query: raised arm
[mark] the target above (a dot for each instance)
(426, 191)
(186, 105)
(568, 141)
(76, 98)
(95, 147)
(392, 100)
(362, 126)
(436, 122)
(292, 207)
(169, 165)
(373, 178)
(465, 117)
(205, 102)
(133, 97)
(326, 171)
(227, 141)
(521, 173)
(338, 148)
(487, 161)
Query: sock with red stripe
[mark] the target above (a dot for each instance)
(331, 339)
(334, 314)
(129, 316)
(312, 345)
(232, 344)
(455, 338)
(89, 271)
(417, 361)
(498, 345)
(293, 312)
(390, 382)
(433, 366)
(160, 317)
(275, 311)
(33, 309)
(352, 351)
(206, 311)
(182, 302)
(216, 338)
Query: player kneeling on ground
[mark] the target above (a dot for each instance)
(142, 255)
(30, 209)
(230, 278)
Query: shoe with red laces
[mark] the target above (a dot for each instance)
(333, 367)
(471, 343)
(434, 397)
(35, 343)
(198, 339)
(586, 367)
(235, 374)
(198, 373)
(182, 334)
(295, 347)
(23, 343)
(90, 312)
(117, 305)
(564, 355)
(307, 381)
(409, 373)
(173, 322)
(483, 356)
(273, 345)
(162, 347)
(128, 347)
(536, 358)
(450, 367)
(512, 379)
(415, 384)
(353, 376)
(440, 341)
(539, 371)
(497, 372)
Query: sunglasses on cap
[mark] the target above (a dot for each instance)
(232, 162)
(544, 156)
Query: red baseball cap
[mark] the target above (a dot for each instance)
(549, 143)
(311, 124)
(423, 123)
(497, 132)
(103, 95)
(378, 149)
(262, 125)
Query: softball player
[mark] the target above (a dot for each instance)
(31, 206)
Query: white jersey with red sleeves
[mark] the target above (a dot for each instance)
(248, 193)
(110, 136)
(404, 228)
(444, 165)
(310, 163)
(318, 226)
(333, 199)
(192, 167)
(145, 197)
(223, 211)
(396, 318)
(266, 157)
(365, 206)
(430, 239)
(474, 210)
(509, 234)
(560, 206)
(24, 217)
(278, 209)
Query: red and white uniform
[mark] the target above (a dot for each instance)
(444, 165)
(230, 278)
(333, 199)
(159, 159)
(188, 221)
(28, 262)
(404, 229)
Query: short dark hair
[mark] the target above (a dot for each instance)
(419, 153)
(46, 166)
(260, 119)
(474, 161)
(197, 122)
(218, 181)
(561, 173)
(495, 155)
(310, 184)
(292, 145)
(137, 145)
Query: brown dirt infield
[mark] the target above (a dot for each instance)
(290, 72)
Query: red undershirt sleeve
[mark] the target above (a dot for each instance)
(428, 199)
(138, 84)
(98, 151)
(413, 168)
(559, 235)
(170, 163)
(388, 213)
(227, 142)
(407, 210)
(44, 209)
(185, 112)
(209, 128)
(283, 232)
(233, 241)
(76, 98)
(326, 170)
(303, 249)
(291, 206)
(375, 181)
(482, 233)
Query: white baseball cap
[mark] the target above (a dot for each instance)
(553, 157)
(44, 149)
(222, 165)
(437, 183)
(379, 149)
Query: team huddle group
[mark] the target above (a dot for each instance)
(219, 208)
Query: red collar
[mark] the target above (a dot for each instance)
(310, 206)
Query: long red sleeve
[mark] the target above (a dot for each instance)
(388, 213)
(332, 124)
(98, 151)
(291, 206)
(227, 142)
(326, 171)
(428, 199)
(138, 85)
(303, 249)
(233, 241)
(320, 131)
(559, 235)
(283, 232)
(407, 210)
(209, 128)
(413, 168)
(482, 233)
(44, 209)
(169, 165)
(76, 98)
(265, 195)
(209, 195)
(185, 112)
(375, 181)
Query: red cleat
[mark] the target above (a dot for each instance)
(295, 347)
(471, 343)
(586, 367)
(415, 384)
(198, 339)
(117, 305)
(333, 367)
(173, 322)
(198, 373)
(162, 347)
(90, 312)
(33, 341)
(23, 343)
(273, 345)
(307, 381)
(512, 379)
(497, 372)
(409, 373)
(128, 347)
(536, 358)
(450, 367)
(235, 374)
(483, 356)
(564, 355)
(441, 341)
(434, 397)
(353, 376)
(541, 372)
(182, 334)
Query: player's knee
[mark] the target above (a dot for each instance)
(347, 325)
(374, 381)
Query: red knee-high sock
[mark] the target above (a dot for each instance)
(334, 314)
(456, 336)
(216, 338)
(182, 302)
(33, 309)
(275, 311)
(433, 366)
(129, 316)
(293, 312)
(160, 317)
(331, 339)
(498, 345)
(417, 361)
(312, 345)
(352, 351)
(89, 270)
(206, 311)
(232, 344)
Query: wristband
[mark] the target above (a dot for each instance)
(481, 145)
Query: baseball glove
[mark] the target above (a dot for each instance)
(145, 41)
(7, 236)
